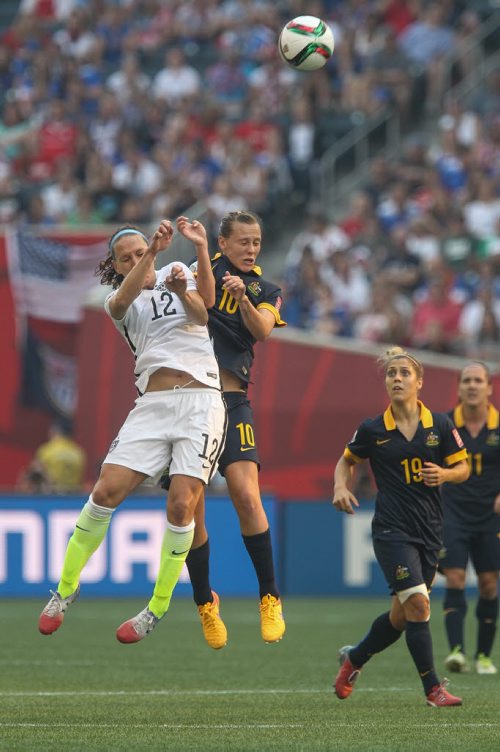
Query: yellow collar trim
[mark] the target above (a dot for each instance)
(425, 417)
(492, 419)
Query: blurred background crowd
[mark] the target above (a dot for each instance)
(127, 111)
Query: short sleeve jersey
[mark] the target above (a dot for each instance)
(404, 506)
(161, 334)
(470, 503)
(233, 342)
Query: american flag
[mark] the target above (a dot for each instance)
(51, 279)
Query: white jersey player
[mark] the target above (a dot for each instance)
(178, 419)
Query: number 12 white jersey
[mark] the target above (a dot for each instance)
(160, 333)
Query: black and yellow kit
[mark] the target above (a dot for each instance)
(471, 525)
(233, 345)
(233, 342)
(410, 510)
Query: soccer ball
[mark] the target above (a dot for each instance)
(306, 43)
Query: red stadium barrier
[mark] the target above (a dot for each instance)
(307, 399)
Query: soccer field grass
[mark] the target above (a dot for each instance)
(82, 690)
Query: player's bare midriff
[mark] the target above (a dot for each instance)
(231, 382)
(169, 378)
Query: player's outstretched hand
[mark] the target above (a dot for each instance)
(193, 231)
(162, 237)
(234, 285)
(177, 280)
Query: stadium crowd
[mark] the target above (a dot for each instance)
(416, 258)
(129, 111)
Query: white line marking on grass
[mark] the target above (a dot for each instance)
(185, 692)
(331, 724)
(157, 725)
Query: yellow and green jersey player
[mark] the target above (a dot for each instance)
(246, 310)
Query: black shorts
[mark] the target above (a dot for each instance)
(459, 543)
(240, 437)
(405, 564)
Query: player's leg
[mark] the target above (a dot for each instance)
(207, 600)
(455, 610)
(181, 503)
(114, 484)
(486, 559)
(453, 563)
(198, 418)
(414, 599)
(384, 631)
(239, 464)
(243, 486)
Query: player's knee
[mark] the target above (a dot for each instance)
(488, 588)
(416, 603)
(248, 504)
(455, 578)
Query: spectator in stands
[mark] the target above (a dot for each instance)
(426, 42)
(482, 214)
(480, 324)
(386, 318)
(302, 146)
(399, 266)
(389, 71)
(435, 324)
(458, 246)
(59, 463)
(322, 237)
(347, 281)
(177, 80)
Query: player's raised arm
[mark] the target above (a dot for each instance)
(205, 281)
(192, 300)
(133, 258)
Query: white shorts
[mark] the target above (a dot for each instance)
(180, 428)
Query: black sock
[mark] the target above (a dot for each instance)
(381, 635)
(487, 615)
(455, 609)
(197, 563)
(419, 641)
(260, 550)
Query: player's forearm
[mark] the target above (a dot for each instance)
(458, 473)
(257, 325)
(195, 307)
(205, 280)
(131, 287)
(343, 474)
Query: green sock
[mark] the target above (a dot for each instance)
(175, 548)
(90, 530)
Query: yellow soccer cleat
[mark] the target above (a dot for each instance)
(214, 629)
(272, 624)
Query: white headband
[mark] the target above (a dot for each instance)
(125, 231)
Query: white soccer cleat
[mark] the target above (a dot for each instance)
(137, 628)
(456, 662)
(52, 615)
(484, 665)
